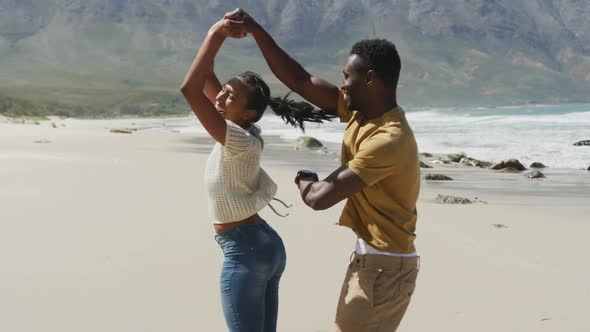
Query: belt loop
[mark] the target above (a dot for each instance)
(418, 263)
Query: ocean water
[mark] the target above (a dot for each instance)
(544, 133)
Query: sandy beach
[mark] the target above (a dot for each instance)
(103, 231)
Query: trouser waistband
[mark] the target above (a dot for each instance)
(383, 261)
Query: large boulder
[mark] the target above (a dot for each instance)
(537, 164)
(510, 163)
(308, 143)
(583, 143)
(437, 177)
(535, 175)
(588, 169)
(426, 154)
(450, 199)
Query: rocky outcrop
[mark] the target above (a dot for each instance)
(461, 159)
(509, 164)
(583, 143)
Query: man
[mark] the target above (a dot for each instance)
(379, 176)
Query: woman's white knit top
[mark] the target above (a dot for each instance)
(238, 187)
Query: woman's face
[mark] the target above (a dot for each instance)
(232, 100)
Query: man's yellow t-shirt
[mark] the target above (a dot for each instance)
(384, 154)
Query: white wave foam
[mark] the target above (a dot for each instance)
(529, 133)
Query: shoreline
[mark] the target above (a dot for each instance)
(409, 106)
(562, 185)
(571, 182)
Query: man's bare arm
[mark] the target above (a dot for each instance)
(341, 184)
(314, 89)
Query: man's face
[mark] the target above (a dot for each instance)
(354, 82)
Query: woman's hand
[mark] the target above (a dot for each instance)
(224, 28)
(238, 18)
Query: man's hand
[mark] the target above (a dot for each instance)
(239, 18)
(224, 28)
(305, 175)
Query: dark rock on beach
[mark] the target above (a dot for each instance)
(424, 165)
(426, 154)
(437, 177)
(451, 158)
(537, 164)
(474, 162)
(583, 143)
(535, 175)
(450, 199)
(588, 169)
(509, 170)
(510, 163)
(461, 159)
(121, 131)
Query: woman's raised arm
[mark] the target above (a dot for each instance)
(200, 76)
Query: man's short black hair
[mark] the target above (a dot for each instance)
(381, 56)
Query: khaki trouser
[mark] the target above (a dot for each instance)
(376, 293)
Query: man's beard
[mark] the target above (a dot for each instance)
(352, 106)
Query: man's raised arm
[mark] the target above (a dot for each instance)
(314, 89)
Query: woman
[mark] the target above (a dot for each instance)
(238, 188)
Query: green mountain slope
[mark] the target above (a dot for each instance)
(111, 57)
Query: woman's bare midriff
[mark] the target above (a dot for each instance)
(220, 228)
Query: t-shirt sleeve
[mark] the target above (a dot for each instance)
(377, 158)
(238, 140)
(343, 112)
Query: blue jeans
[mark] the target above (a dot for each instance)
(254, 262)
